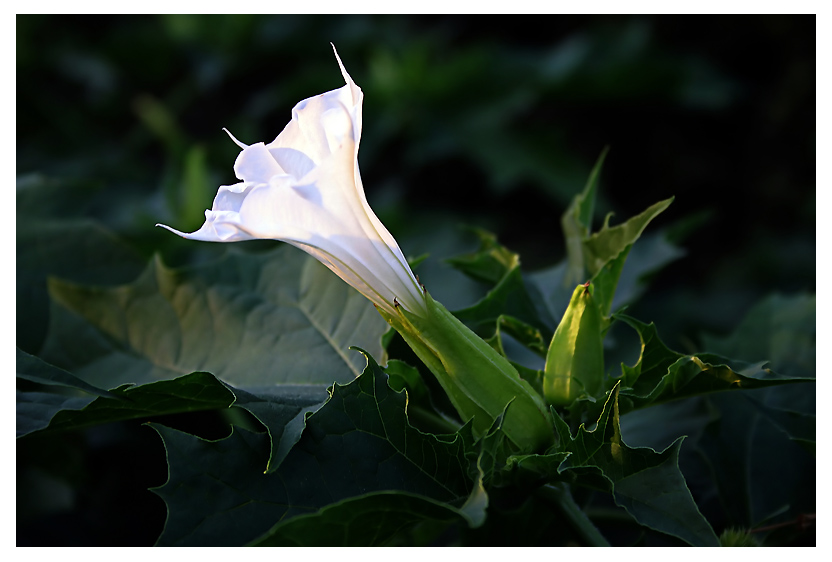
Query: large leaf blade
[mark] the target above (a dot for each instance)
(358, 443)
(661, 374)
(252, 320)
(649, 485)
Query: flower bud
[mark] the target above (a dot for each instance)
(575, 360)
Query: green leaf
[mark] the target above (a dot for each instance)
(496, 265)
(527, 335)
(746, 453)
(797, 425)
(216, 492)
(662, 374)
(605, 282)
(547, 288)
(358, 443)
(781, 329)
(599, 256)
(576, 223)
(189, 393)
(33, 369)
(609, 242)
(61, 391)
(370, 520)
(494, 449)
(403, 376)
(35, 410)
(282, 409)
(253, 320)
(78, 249)
(619, 282)
(490, 262)
(509, 297)
(647, 484)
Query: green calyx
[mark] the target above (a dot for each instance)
(478, 380)
(575, 360)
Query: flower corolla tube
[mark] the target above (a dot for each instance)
(304, 188)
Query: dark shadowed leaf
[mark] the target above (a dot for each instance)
(189, 393)
(36, 409)
(370, 520)
(648, 484)
(358, 443)
(780, 329)
(662, 374)
(33, 369)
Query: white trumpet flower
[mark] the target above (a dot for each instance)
(304, 188)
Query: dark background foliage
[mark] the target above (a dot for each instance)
(488, 121)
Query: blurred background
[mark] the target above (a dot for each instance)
(493, 122)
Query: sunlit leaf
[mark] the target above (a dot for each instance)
(251, 319)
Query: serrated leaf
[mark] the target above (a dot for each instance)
(370, 520)
(494, 449)
(608, 243)
(189, 393)
(282, 409)
(647, 484)
(359, 442)
(252, 320)
(662, 374)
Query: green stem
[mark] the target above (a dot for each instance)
(559, 495)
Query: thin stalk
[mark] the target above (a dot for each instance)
(559, 495)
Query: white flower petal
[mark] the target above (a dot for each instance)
(256, 164)
(304, 188)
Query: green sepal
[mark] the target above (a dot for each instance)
(575, 360)
(477, 379)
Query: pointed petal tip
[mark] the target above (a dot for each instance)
(166, 227)
(233, 138)
(344, 73)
